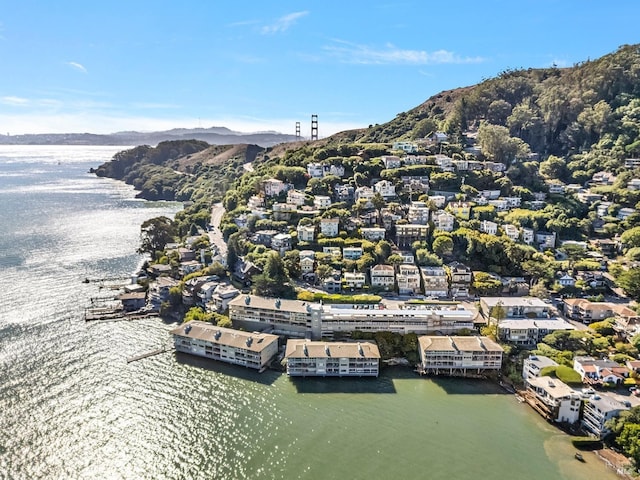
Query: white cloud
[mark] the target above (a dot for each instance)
(77, 66)
(283, 23)
(391, 55)
(14, 101)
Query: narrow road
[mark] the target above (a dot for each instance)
(215, 235)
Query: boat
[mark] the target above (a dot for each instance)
(579, 457)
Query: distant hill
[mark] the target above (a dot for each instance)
(213, 136)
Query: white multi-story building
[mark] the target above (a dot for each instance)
(500, 204)
(373, 233)
(408, 279)
(533, 364)
(315, 170)
(322, 201)
(255, 202)
(283, 317)
(306, 265)
(382, 276)
(436, 283)
(527, 236)
(331, 359)
(329, 227)
(363, 193)
(489, 227)
(546, 240)
(420, 319)
(391, 161)
(529, 332)
(296, 197)
(273, 187)
(406, 146)
(459, 356)
(511, 231)
(354, 280)
(252, 350)
(597, 411)
(335, 252)
(513, 202)
(385, 188)
(553, 399)
(418, 213)
(443, 221)
(306, 233)
(351, 253)
(281, 242)
(625, 213)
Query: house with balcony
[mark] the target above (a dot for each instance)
(391, 161)
(586, 311)
(489, 227)
(458, 356)
(460, 209)
(460, 278)
(343, 193)
(625, 213)
(553, 399)
(333, 283)
(251, 350)
(273, 187)
(307, 265)
(382, 276)
(222, 295)
(296, 197)
(352, 253)
(633, 184)
(528, 332)
(373, 233)
(331, 359)
(329, 227)
(527, 235)
(443, 221)
(321, 202)
(516, 307)
(533, 364)
(435, 281)
(511, 231)
(354, 280)
(600, 371)
(418, 213)
(597, 411)
(364, 194)
(546, 240)
(408, 233)
(408, 279)
(385, 188)
(334, 252)
(407, 147)
(306, 233)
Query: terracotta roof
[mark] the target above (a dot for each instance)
(308, 349)
(255, 342)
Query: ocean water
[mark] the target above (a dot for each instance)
(72, 408)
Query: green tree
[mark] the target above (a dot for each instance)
(273, 281)
(155, 233)
(629, 281)
(427, 259)
(443, 245)
(498, 145)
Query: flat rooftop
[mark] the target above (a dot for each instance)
(552, 386)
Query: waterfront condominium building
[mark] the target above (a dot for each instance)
(296, 318)
(553, 399)
(293, 318)
(598, 410)
(252, 350)
(459, 356)
(335, 359)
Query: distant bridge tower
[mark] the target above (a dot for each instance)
(297, 131)
(314, 127)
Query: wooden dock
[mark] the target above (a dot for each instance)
(152, 353)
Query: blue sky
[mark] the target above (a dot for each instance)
(80, 66)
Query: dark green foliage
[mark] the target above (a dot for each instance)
(155, 233)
